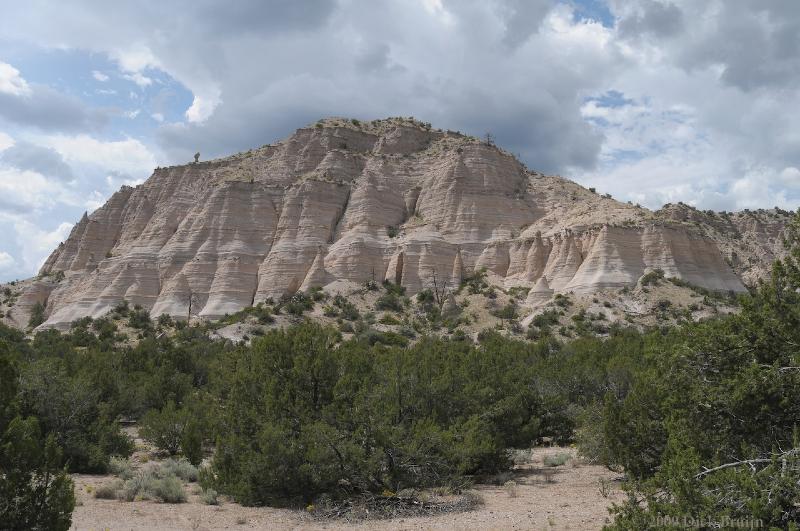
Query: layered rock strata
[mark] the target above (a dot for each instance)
(342, 200)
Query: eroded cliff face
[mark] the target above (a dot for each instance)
(389, 199)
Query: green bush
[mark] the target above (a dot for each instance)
(297, 304)
(120, 467)
(389, 301)
(164, 428)
(180, 468)
(652, 277)
(347, 309)
(210, 497)
(169, 490)
(37, 315)
(74, 412)
(35, 490)
(366, 418)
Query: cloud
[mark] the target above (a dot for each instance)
(11, 82)
(7, 262)
(43, 160)
(5, 141)
(663, 100)
(99, 76)
(31, 193)
(653, 17)
(203, 106)
(37, 243)
(126, 156)
(140, 79)
(41, 107)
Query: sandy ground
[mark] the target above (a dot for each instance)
(565, 497)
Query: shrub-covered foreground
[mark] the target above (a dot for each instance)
(702, 419)
(300, 416)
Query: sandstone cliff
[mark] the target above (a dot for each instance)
(390, 199)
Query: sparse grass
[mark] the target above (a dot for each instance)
(511, 488)
(120, 467)
(159, 481)
(180, 468)
(520, 457)
(556, 460)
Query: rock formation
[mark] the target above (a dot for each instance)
(389, 199)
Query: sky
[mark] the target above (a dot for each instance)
(652, 101)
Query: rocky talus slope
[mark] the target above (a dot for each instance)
(345, 201)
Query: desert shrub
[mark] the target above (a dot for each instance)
(74, 413)
(392, 231)
(37, 315)
(366, 417)
(260, 311)
(180, 468)
(388, 319)
(556, 459)
(210, 497)
(681, 431)
(192, 442)
(155, 481)
(169, 490)
(425, 297)
(562, 301)
(139, 318)
(120, 467)
(35, 490)
(509, 311)
(476, 283)
(173, 429)
(109, 490)
(389, 301)
(297, 304)
(652, 277)
(346, 308)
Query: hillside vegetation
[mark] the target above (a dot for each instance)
(702, 418)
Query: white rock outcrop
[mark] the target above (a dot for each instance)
(337, 201)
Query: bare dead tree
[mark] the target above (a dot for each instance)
(489, 139)
(189, 313)
(439, 293)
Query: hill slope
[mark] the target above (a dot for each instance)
(342, 201)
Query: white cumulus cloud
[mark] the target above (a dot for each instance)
(11, 82)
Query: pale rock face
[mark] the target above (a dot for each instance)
(539, 294)
(340, 203)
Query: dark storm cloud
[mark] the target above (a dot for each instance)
(259, 16)
(522, 19)
(44, 160)
(662, 19)
(49, 110)
(756, 44)
(267, 68)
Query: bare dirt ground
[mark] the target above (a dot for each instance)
(564, 497)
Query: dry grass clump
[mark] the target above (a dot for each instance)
(153, 481)
(108, 491)
(511, 488)
(557, 459)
